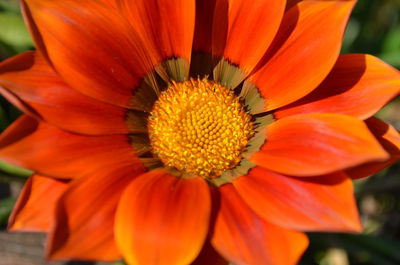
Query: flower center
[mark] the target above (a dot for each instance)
(199, 127)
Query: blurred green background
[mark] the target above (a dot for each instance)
(374, 28)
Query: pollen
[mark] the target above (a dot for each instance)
(199, 127)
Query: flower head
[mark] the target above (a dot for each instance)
(199, 127)
(181, 131)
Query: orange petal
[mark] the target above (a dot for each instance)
(317, 144)
(165, 26)
(112, 3)
(304, 51)
(33, 84)
(162, 219)
(85, 217)
(91, 46)
(54, 152)
(308, 204)
(35, 208)
(358, 85)
(389, 138)
(244, 238)
(251, 29)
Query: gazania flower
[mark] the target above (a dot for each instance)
(180, 131)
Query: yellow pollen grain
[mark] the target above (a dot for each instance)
(199, 127)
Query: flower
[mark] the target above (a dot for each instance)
(180, 131)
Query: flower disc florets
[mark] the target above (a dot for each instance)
(199, 127)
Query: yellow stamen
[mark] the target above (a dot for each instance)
(199, 127)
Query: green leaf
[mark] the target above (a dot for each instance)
(121, 262)
(391, 42)
(352, 32)
(378, 250)
(392, 58)
(9, 5)
(6, 207)
(13, 31)
(14, 170)
(361, 249)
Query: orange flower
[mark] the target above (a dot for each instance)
(179, 131)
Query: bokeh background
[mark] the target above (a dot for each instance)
(374, 28)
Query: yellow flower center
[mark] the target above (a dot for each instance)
(199, 127)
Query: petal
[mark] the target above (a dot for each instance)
(15, 64)
(54, 152)
(244, 238)
(35, 208)
(317, 144)
(91, 46)
(162, 219)
(205, 20)
(389, 138)
(251, 29)
(291, 3)
(165, 26)
(358, 85)
(33, 83)
(308, 204)
(112, 3)
(85, 217)
(209, 36)
(304, 51)
(33, 30)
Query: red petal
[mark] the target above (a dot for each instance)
(291, 3)
(162, 219)
(244, 238)
(54, 152)
(205, 19)
(304, 51)
(33, 30)
(251, 29)
(165, 26)
(389, 138)
(358, 85)
(15, 64)
(317, 144)
(311, 204)
(91, 46)
(34, 83)
(35, 208)
(85, 217)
